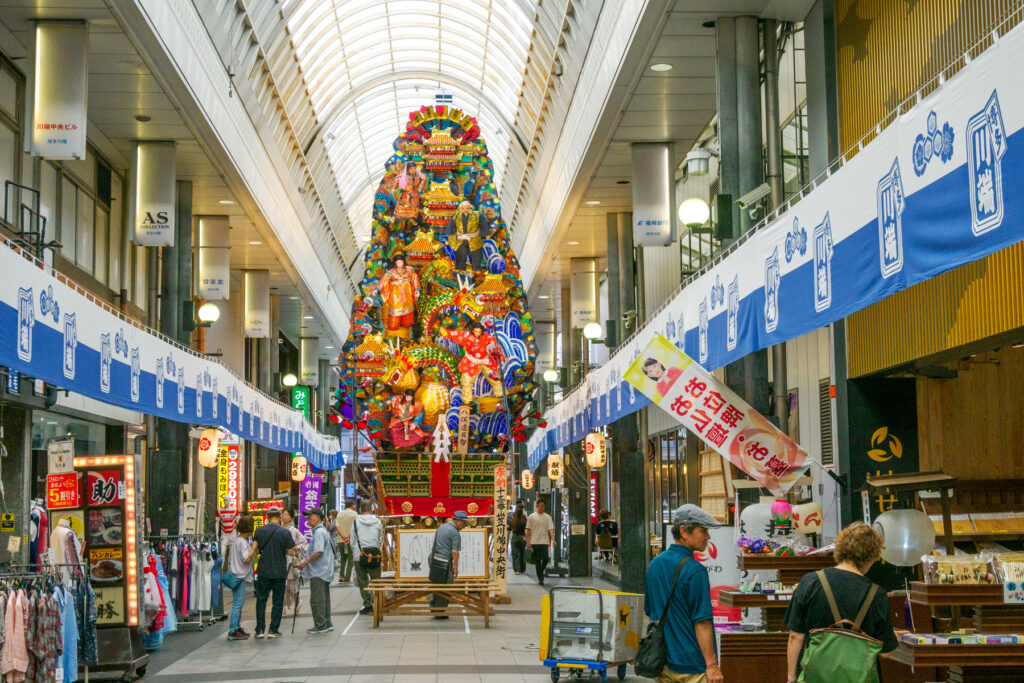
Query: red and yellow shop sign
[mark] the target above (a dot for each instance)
(229, 474)
(62, 491)
(104, 487)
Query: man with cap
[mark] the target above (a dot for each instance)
(444, 556)
(318, 567)
(689, 626)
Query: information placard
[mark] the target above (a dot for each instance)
(414, 546)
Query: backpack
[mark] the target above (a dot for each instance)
(841, 653)
(652, 652)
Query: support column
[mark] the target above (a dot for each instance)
(167, 468)
(822, 87)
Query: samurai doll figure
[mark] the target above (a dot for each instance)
(482, 355)
(466, 235)
(406, 418)
(399, 289)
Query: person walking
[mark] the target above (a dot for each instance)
(291, 586)
(444, 556)
(678, 588)
(274, 544)
(239, 573)
(540, 531)
(344, 526)
(318, 567)
(332, 530)
(517, 526)
(368, 535)
(822, 599)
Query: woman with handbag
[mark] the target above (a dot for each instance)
(366, 540)
(237, 573)
(291, 586)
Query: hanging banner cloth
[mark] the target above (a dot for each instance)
(933, 191)
(53, 330)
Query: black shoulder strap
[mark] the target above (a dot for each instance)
(355, 532)
(675, 579)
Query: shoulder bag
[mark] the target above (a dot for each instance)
(841, 652)
(652, 653)
(369, 557)
(226, 577)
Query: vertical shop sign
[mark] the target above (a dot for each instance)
(155, 191)
(883, 437)
(652, 211)
(256, 312)
(213, 278)
(583, 291)
(60, 456)
(309, 361)
(713, 412)
(501, 507)
(309, 499)
(594, 494)
(104, 487)
(61, 91)
(300, 400)
(463, 445)
(228, 486)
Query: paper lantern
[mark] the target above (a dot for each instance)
(209, 447)
(782, 513)
(908, 535)
(299, 468)
(807, 518)
(527, 479)
(596, 449)
(554, 467)
(756, 520)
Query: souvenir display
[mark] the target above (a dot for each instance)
(440, 332)
(960, 569)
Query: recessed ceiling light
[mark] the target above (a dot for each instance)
(226, 201)
(294, 298)
(255, 243)
(328, 347)
(307, 317)
(572, 243)
(592, 202)
(142, 118)
(543, 296)
(661, 67)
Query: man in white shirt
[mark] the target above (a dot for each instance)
(344, 527)
(540, 534)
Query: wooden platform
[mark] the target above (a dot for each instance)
(791, 569)
(412, 596)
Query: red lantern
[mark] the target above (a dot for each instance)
(334, 419)
(543, 424)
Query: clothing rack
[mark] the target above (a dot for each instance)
(185, 619)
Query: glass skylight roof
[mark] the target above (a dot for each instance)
(368, 63)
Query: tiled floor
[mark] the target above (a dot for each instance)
(402, 649)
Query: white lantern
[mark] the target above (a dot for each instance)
(596, 448)
(527, 479)
(299, 468)
(209, 447)
(554, 467)
(694, 212)
(807, 518)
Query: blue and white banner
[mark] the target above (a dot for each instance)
(52, 331)
(931, 192)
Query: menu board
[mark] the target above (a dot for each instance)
(414, 546)
(106, 565)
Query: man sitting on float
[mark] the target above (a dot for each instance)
(466, 235)
(482, 355)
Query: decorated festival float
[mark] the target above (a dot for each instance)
(436, 374)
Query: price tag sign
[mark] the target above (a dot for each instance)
(1013, 583)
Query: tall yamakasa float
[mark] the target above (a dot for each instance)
(437, 370)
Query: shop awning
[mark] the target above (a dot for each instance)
(934, 190)
(53, 330)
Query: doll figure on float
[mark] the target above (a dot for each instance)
(406, 419)
(411, 182)
(482, 355)
(399, 289)
(466, 235)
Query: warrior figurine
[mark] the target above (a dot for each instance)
(466, 235)
(482, 355)
(406, 418)
(399, 290)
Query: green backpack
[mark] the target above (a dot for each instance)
(841, 653)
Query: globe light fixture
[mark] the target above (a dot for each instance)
(208, 313)
(593, 330)
(289, 380)
(694, 212)
(551, 376)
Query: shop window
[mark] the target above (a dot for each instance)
(8, 94)
(48, 197)
(825, 409)
(9, 163)
(114, 251)
(68, 219)
(90, 439)
(86, 233)
(141, 276)
(102, 243)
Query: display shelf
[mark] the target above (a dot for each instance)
(964, 656)
(791, 569)
(772, 607)
(753, 656)
(945, 594)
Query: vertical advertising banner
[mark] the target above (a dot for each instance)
(595, 491)
(652, 198)
(501, 510)
(713, 412)
(213, 276)
(60, 100)
(309, 361)
(155, 190)
(309, 498)
(583, 291)
(256, 314)
(229, 482)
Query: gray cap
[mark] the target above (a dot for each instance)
(461, 515)
(691, 514)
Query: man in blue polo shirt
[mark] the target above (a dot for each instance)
(689, 629)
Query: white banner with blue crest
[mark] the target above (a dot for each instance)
(933, 191)
(53, 331)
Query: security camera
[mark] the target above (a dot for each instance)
(754, 196)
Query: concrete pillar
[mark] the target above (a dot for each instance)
(728, 133)
(748, 110)
(822, 87)
(275, 347)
